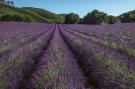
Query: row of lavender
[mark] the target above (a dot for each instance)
(117, 36)
(43, 56)
(41, 61)
(18, 61)
(107, 63)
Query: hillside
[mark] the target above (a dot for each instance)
(35, 14)
(45, 14)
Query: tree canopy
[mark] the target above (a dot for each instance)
(127, 17)
(72, 18)
(97, 17)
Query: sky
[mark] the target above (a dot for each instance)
(81, 7)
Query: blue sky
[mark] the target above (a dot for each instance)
(81, 7)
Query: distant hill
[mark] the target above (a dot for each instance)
(35, 14)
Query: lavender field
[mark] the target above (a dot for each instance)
(63, 56)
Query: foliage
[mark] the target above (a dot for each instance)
(72, 18)
(127, 17)
(97, 17)
(112, 19)
(15, 17)
(81, 21)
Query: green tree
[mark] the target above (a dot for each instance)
(96, 17)
(81, 21)
(127, 17)
(112, 19)
(72, 18)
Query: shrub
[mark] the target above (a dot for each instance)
(15, 17)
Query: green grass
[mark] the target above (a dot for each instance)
(46, 14)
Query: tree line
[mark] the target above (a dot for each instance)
(98, 17)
